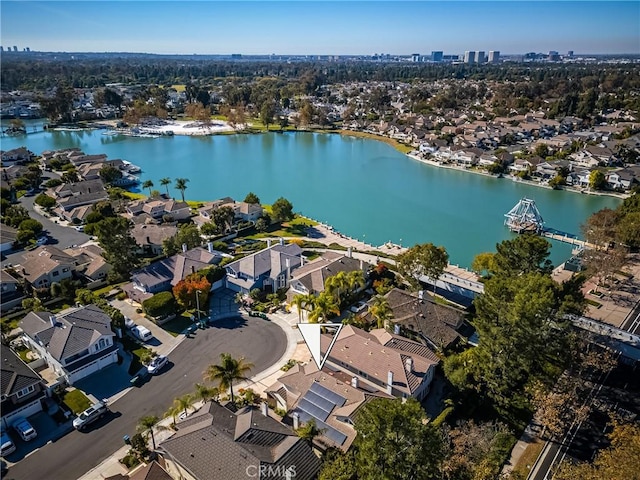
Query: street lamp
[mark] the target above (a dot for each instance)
(198, 303)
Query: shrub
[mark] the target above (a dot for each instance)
(45, 201)
(160, 305)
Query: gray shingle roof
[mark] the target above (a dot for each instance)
(16, 375)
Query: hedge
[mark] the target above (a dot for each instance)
(160, 305)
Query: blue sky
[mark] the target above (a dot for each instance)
(327, 27)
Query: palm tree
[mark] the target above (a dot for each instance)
(299, 301)
(309, 431)
(205, 393)
(165, 182)
(227, 372)
(148, 184)
(146, 424)
(380, 310)
(172, 412)
(181, 184)
(337, 285)
(182, 404)
(355, 280)
(324, 304)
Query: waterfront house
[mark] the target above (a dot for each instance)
(247, 212)
(74, 343)
(401, 367)
(269, 269)
(45, 265)
(87, 192)
(23, 391)
(310, 277)
(624, 178)
(300, 388)
(15, 156)
(232, 444)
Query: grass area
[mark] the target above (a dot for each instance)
(76, 401)
(527, 459)
(22, 351)
(593, 303)
(401, 147)
(107, 289)
(178, 88)
(134, 196)
(293, 228)
(137, 350)
(176, 326)
(310, 254)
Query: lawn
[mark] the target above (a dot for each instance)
(178, 325)
(76, 401)
(294, 228)
(527, 459)
(394, 143)
(137, 350)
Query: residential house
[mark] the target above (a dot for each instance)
(247, 212)
(45, 265)
(303, 387)
(75, 343)
(487, 159)
(16, 155)
(11, 173)
(8, 236)
(310, 278)
(11, 294)
(623, 179)
(87, 192)
(23, 391)
(90, 264)
(217, 442)
(150, 237)
(268, 269)
(435, 324)
(525, 164)
(78, 214)
(206, 212)
(402, 367)
(158, 207)
(164, 274)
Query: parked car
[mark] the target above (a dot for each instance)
(80, 228)
(90, 415)
(142, 333)
(24, 429)
(128, 323)
(358, 307)
(157, 363)
(8, 446)
(42, 240)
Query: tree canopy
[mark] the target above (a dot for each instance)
(282, 210)
(423, 259)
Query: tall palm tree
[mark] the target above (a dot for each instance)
(165, 182)
(182, 404)
(205, 393)
(355, 280)
(324, 304)
(337, 285)
(227, 372)
(148, 184)
(299, 300)
(380, 310)
(146, 424)
(181, 184)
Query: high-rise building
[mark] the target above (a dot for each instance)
(553, 56)
(469, 57)
(436, 56)
(494, 56)
(570, 53)
(15, 49)
(415, 57)
(480, 58)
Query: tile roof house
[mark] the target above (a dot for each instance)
(347, 395)
(402, 367)
(89, 263)
(45, 265)
(160, 276)
(87, 192)
(22, 388)
(269, 268)
(435, 324)
(75, 343)
(218, 443)
(150, 237)
(310, 277)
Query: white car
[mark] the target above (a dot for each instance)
(7, 445)
(80, 228)
(24, 429)
(358, 307)
(90, 415)
(142, 333)
(156, 364)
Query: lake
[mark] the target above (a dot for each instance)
(364, 188)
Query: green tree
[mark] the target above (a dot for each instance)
(146, 424)
(325, 306)
(165, 182)
(309, 431)
(228, 371)
(380, 310)
(423, 259)
(181, 184)
(45, 201)
(267, 112)
(524, 254)
(223, 218)
(339, 466)
(282, 210)
(597, 180)
(394, 442)
(183, 404)
(205, 393)
(252, 198)
(114, 236)
(110, 174)
(628, 230)
(148, 184)
(187, 234)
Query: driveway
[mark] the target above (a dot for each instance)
(109, 382)
(261, 343)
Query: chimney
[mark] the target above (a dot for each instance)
(149, 240)
(390, 382)
(53, 320)
(281, 241)
(349, 254)
(354, 382)
(296, 421)
(193, 269)
(268, 243)
(396, 329)
(301, 260)
(264, 408)
(408, 364)
(184, 248)
(210, 247)
(361, 264)
(420, 295)
(287, 262)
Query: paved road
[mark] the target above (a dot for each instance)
(260, 341)
(63, 236)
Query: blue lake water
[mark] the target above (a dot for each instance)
(364, 188)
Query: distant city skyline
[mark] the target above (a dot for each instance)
(322, 28)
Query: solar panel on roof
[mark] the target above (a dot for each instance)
(327, 430)
(323, 403)
(328, 394)
(313, 410)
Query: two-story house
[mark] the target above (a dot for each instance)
(22, 389)
(11, 293)
(75, 343)
(17, 155)
(87, 192)
(268, 269)
(150, 238)
(45, 265)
